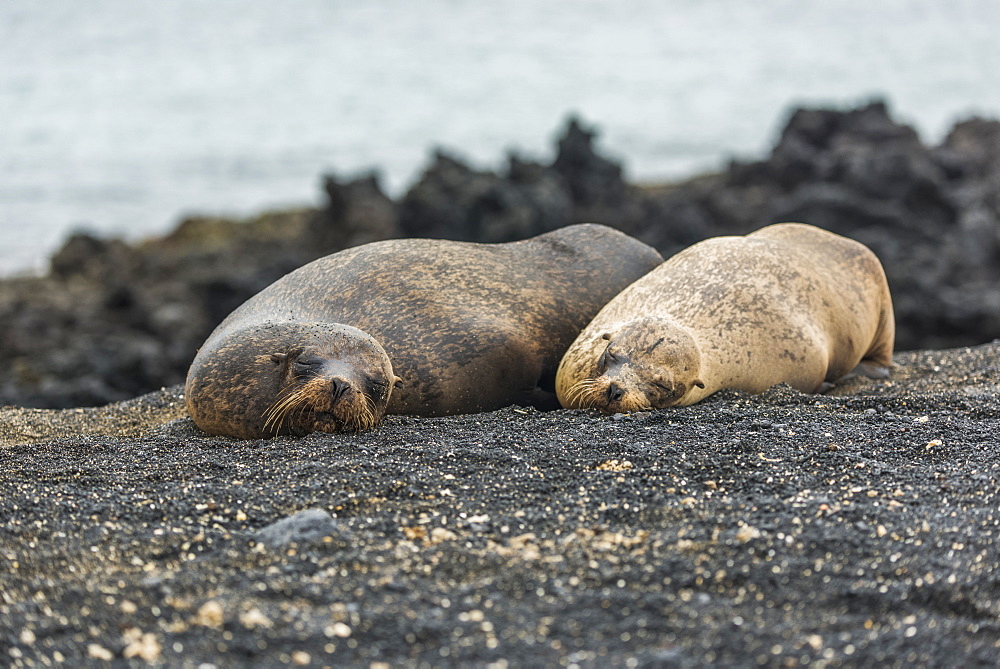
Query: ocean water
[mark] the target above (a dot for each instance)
(119, 117)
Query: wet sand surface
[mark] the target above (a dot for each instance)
(856, 529)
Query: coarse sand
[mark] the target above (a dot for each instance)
(860, 528)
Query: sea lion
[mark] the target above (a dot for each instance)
(409, 326)
(789, 303)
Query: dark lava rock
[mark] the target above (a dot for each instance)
(596, 184)
(453, 201)
(114, 320)
(357, 212)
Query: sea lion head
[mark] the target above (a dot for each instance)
(647, 363)
(290, 378)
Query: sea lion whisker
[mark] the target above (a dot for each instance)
(287, 393)
(353, 424)
(275, 410)
(357, 422)
(369, 413)
(576, 392)
(583, 392)
(285, 399)
(363, 421)
(370, 418)
(296, 401)
(275, 415)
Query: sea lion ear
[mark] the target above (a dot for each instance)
(699, 383)
(606, 336)
(279, 358)
(397, 382)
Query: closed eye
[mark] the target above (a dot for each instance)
(377, 387)
(307, 366)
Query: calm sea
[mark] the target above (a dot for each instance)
(119, 116)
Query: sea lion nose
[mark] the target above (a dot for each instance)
(614, 393)
(338, 387)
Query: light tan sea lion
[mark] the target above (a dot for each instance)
(409, 326)
(789, 303)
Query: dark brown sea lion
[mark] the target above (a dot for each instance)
(789, 303)
(468, 328)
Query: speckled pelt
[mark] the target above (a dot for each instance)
(466, 327)
(789, 303)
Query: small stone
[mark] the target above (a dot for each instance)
(304, 526)
(98, 652)
(439, 534)
(415, 532)
(144, 646)
(210, 615)
(615, 465)
(255, 618)
(341, 630)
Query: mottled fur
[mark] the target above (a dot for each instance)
(468, 327)
(789, 303)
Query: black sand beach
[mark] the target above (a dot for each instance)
(856, 529)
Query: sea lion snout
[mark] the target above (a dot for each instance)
(614, 393)
(338, 387)
(337, 374)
